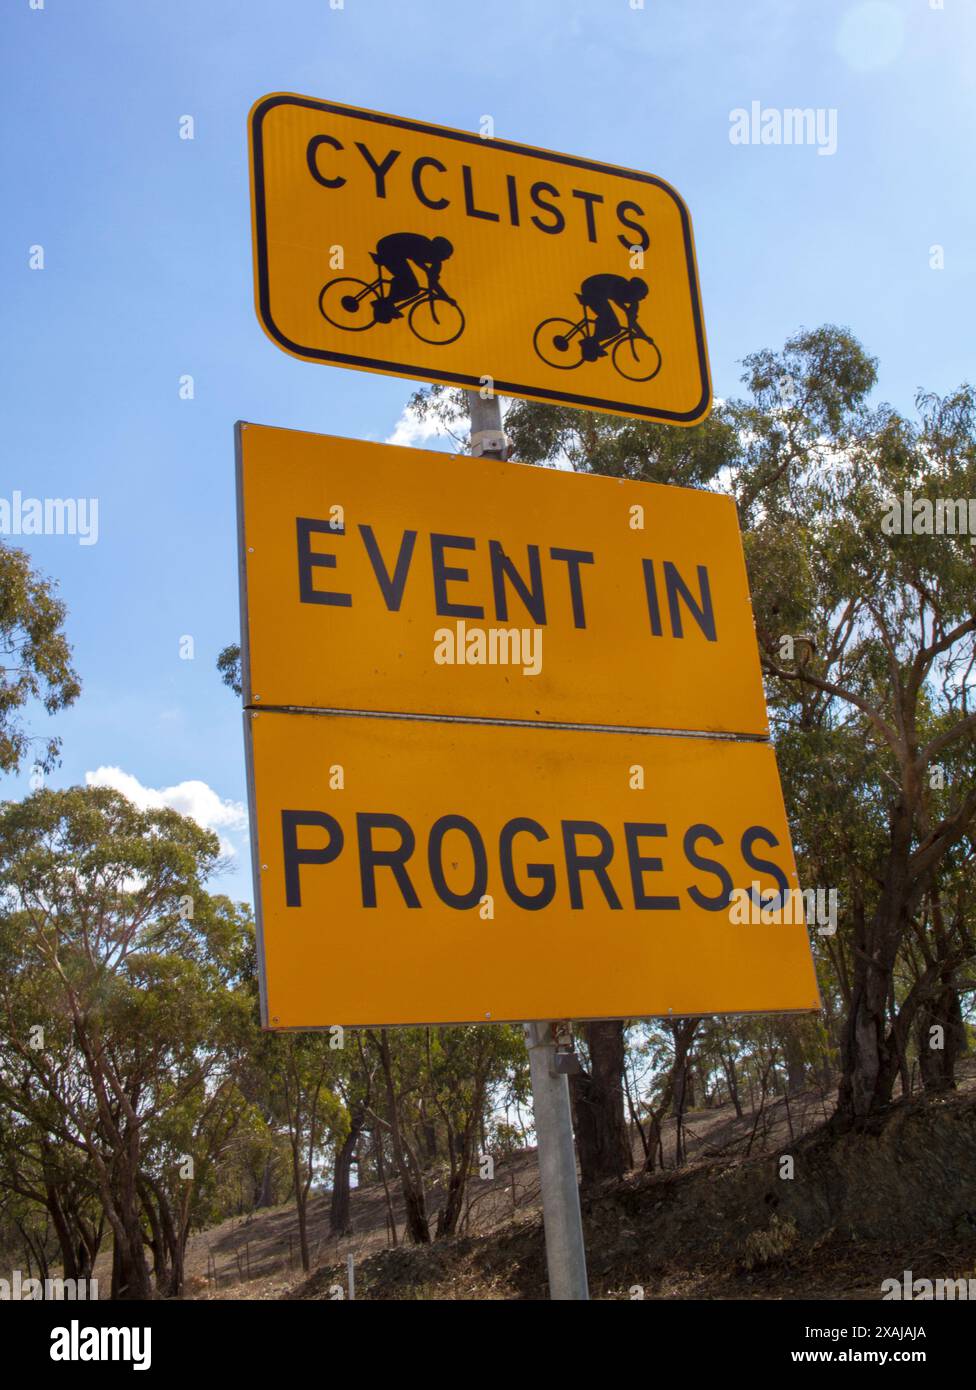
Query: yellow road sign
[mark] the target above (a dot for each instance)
(380, 578)
(427, 872)
(396, 246)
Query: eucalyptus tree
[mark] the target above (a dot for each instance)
(868, 634)
(119, 990)
(859, 547)
(35, 658)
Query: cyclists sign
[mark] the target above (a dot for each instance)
(396, 246)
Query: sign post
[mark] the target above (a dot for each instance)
(565, 1250)
(551, 1111)
(526, 703)
(559, 832)
(488, 438)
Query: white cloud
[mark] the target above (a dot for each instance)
(193, 798)
(410, 430)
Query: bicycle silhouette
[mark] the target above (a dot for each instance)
(564, 344)
(355, 305)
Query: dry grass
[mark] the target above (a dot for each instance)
(707, 1231)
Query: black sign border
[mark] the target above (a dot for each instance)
(507, 388)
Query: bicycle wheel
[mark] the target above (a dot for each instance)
(347, 303)
(556, 342)
(436, 321)
(638, 359)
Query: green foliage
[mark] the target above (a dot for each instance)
(110, 944)
(621, 448)
(35, 657)
(229, 666)
(868, 643)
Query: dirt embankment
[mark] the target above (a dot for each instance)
(850, 1211)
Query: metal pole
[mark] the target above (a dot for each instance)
(488, 439)
(565, 1252)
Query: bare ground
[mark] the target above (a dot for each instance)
(860, 1208)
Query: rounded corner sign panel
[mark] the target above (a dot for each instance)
(421, 872)
(396, 246)
(413, 582)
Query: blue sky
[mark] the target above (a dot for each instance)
(147, 273)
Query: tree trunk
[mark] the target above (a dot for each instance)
(450, 1213)
(381, 1170)
(411, 1178)
(869, 1059)
(461, 1153)
(175, 1231)
(681, 1097)
(34, 1246)
(683, 1032)
(265, 1195)
(89, 1244)
(796, 1078)
(938, 1065)
(157, 1244)
(684, 1035)
(340, 1223)
(301, 1207)
(602, 1140)
(130, 1272)
(634, 1117)
(864, 1054)
(69, 1261)
(728, 1066)
(684, 1089)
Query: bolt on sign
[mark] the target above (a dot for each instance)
(422, 871)
(397, 246)
(407, 581)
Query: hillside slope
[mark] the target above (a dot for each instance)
(858, 1209)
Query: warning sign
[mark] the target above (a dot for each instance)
(402, 247)
(408, 581)
(413, 871)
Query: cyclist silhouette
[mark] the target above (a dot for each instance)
(599, 293)
(398, 253)
(431, 314)
(567, 343)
